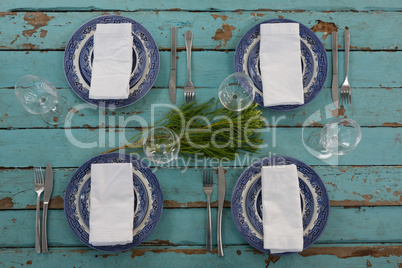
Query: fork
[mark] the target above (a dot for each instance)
(189, 94)
(39, 188)
(346, 92)
(208, 187)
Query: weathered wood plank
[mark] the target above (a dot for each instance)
(209, 68)
(207, 5)
(50, 30)
(235, 256)
(187, 227)
(72, 147)
(346, 185)
(368, 109)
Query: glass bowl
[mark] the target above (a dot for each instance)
(161, 145)
(340, 136)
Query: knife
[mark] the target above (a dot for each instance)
(46, 199)
(335, 91)
(221, 199)
(172, 81)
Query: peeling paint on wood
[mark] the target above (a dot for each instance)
(6, 203)
(223, 35)
(56, 202)
(16, 37)
(272, 258)
(196, 251)
(364, 203)
(80, 251)
(338, 112)
(159, 243)
(43, 33)
(29, 46)
(3, 14)
(37, 20)
(257, 15)
(393, 124)
(89, 127)
(223, 17)
(350, 252)
(324, 27)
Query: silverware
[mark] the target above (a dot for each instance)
(189, 94)
(172, 81)
(335, 89)
(221, 199)
(208, 188)
(46, 199)
(39, 188)
(346, 91)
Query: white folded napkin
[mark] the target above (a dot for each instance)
(111, 204)
(282, 218)
(280, 64)
(111, 68)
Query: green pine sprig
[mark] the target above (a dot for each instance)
(210, 131)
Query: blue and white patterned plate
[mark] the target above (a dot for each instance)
(313, 61)
(247, 205)
(148, 200)
(78, 59)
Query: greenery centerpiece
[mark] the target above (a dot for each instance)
(209, 131)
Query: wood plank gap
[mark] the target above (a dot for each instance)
(189, 167)
(199, 49)
(208, 10)
(385, 125)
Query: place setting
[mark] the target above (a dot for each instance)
(113, 202)
(280, 205)
(111, 80)
(288, 58)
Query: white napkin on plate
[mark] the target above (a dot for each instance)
(111, 204)
(282, 218)
(111, 68)
(280, 64)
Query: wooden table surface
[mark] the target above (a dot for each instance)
(364, 227)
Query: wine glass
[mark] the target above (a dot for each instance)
(337, 137)
(340, 136)
(236, 92)
(39, 96)
(161, 144)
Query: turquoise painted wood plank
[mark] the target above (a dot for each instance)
(346, 186)
(209, 68)
(72, 147)
(187, 227)
(371, 107)
(235, 256)
(212, 30)
(204, 5)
